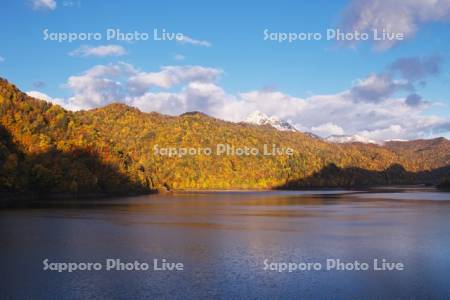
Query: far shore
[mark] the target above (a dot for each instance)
(17, 199)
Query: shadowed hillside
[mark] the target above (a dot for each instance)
(112, 149)
(76, 172)
(333, 176)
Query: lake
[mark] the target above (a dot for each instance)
(232, 245)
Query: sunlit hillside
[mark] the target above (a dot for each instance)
(112, 150)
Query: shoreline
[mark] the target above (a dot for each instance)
(9, 199)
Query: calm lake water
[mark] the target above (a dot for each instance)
(223, 239)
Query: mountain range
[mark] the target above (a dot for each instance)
(45, 149)
(259, 118)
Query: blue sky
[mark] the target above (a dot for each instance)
(229, 70)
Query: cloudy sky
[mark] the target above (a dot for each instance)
(221, 63)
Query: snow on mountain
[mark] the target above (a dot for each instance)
(350, 139)
(259, 118)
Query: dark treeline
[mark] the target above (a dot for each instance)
(333, 176)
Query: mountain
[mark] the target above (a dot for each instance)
(312, 135)
(117, 149)
(259, 118)
(342, 139)
(426, 150)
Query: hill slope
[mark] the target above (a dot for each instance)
(112, 149)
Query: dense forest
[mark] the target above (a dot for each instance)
(45, 149)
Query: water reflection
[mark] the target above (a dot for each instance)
(223, 239)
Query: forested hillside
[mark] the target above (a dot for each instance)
(46, 149)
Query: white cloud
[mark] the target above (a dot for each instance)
(272, 103)
(39, 95)
(99, 51)
(391, 132)
(327, 129)
(163, 102)
(121, 82)
(188, 40)
(177, 89)
(43, 4)
(45, 97)
(1, 59)
(169, 76)
(404, 16)
(100, 85)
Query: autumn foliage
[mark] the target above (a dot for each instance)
(48, 149)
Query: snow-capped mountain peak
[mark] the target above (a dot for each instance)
(259, 118)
